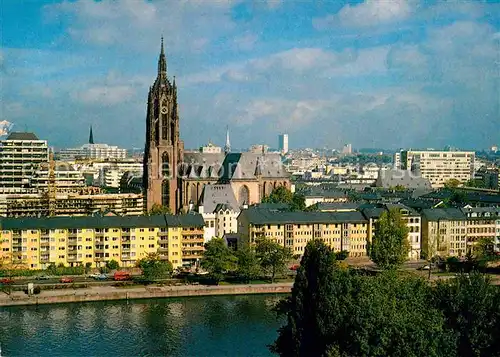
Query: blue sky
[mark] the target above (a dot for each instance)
(372, 73)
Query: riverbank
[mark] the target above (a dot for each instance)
(148, 292)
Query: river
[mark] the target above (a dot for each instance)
(195, 326)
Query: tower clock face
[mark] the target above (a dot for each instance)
(164, 110)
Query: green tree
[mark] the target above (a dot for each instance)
(452, 183)
(477, 183)
(248, 264)
(112, 265)
(281, 194)
(470, 305)
(273, 258)
(338, 312)
(310, 317)
(342, 255)
(155, 268)
(158, 209)
(389, 247)
(218, 259)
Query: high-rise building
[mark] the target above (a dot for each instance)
(164, 149)
(21, 155)
(347, 149)
(439, 166)
(283, 143)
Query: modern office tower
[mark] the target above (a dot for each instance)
(21, 155)
(283, 143)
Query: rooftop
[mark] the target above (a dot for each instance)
(18, 135)
(258, 216)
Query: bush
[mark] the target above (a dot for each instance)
(112, 265)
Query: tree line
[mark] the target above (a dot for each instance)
(337, 311)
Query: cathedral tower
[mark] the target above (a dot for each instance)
(163, 150)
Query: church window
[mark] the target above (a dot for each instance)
(165, 165)
(165, 193)
(172, 132)
(164, 127)
(243, 195)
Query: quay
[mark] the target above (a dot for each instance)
(105, 293)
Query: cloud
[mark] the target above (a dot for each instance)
(133, 24)
(245, 42)
(367, 13)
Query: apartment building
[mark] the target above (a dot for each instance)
(21, 155)
(93, 151)
(439, 166)
(66, 178)
(76, 204)
(444, 232)
(339, 230)
(481, 224)
(36, 243)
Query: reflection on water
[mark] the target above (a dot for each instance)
(201, 326)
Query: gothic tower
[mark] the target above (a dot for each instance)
(163, 150)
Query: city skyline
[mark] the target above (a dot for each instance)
(376, 74)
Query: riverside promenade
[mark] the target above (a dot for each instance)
(148, 292)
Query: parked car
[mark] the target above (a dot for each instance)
(6, 281)
(121, 276)
(42, 277)
(94, 276)
(425, 267)
(100, 277)
(67, 280)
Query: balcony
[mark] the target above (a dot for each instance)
(73, 258)
(126, 257)
(125, 239)
(125, 249)
(163, 241)
(44, 258)
(163, 250)
(99, 259)
(98, 250)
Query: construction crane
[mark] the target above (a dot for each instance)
(51, 185)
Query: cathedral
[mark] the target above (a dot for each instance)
(177, 179)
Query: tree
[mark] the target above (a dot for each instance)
(273, 257)
(248, 264)
(158, 209)
(307, 309)
(154, 268)
(112, 265)
(281, 194)
(389, 247)
(477, 183)
(470, 305)
(452, 183)
(338, 312)
(218, 259)
(342, 255)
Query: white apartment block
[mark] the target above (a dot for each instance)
(93, 151)
(21, 155)
(439, 166)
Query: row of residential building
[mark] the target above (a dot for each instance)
(38, 242)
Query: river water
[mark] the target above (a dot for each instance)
(195, 326)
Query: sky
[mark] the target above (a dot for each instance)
(380, 74)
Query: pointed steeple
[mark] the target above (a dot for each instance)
(162, 61)
(227, 146)
(91, 136)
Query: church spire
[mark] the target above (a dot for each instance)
(91, 136)
(162, 61)
(227, 147)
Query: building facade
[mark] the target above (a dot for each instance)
(339, 230)
(21, 155)
(439, 166)
(36, 243)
